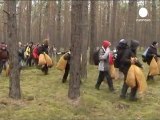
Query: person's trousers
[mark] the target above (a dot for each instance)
(2, 64)
(66, 72)
(102, 75)
(125, 88)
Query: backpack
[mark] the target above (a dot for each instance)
(96, 57)
(144, 58)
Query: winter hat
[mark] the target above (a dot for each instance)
(46, 41)
(123, 41)
(134, 44)
(154, 43)
(106, 44)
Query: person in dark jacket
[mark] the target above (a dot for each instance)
(152, 52)
(125, 64)
(103, 66)
(67, 57)
(20, 54)
(44, 49)
(121, 47)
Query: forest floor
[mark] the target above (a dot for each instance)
(44, 97)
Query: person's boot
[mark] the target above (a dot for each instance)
(97, 86)
(111, 89)
(133, 94)
(44, 69)
(124, 91)
(64, 80)
(149, 78)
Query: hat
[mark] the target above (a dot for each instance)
(46, 41)
(19, 43)
(154, 43)
(123, 41)
(106, 43)
(134, 44)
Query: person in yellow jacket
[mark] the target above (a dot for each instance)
(28, 54)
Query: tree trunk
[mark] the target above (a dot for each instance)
(108, 18)
(58, 40)
(19, 27)
(153, 20)
(84, 39)
(93, 38)
(131, 19)
(40, 21)
(28, 24)
(76, 30)
(5, 23)
(104, 23)
(14, 86)
(113, 21)
(51, 21)
(66, 33)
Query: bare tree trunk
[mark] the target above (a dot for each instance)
(14, 85)
(23, 19)
(93, 38)
(118, 24)
(5, 23)
(131, 19)
(51, 21)
(58, 40)
(40, 22)
(113, 21)
(98, 22)
(84, 39)
(28, 25)
(104, 23)
(108, 18)
(153, 20)
(66, 34)
(76, 30)
(19, 30)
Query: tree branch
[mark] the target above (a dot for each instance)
(4, 22)
(6, 12)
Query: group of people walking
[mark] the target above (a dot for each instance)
(123, 58)
(126, 55)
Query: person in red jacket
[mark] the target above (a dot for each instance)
(35, 54)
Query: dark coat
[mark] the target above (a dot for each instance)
(125, 62)
(152, 52)
(43, 48)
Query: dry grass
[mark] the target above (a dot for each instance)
(45, 98)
